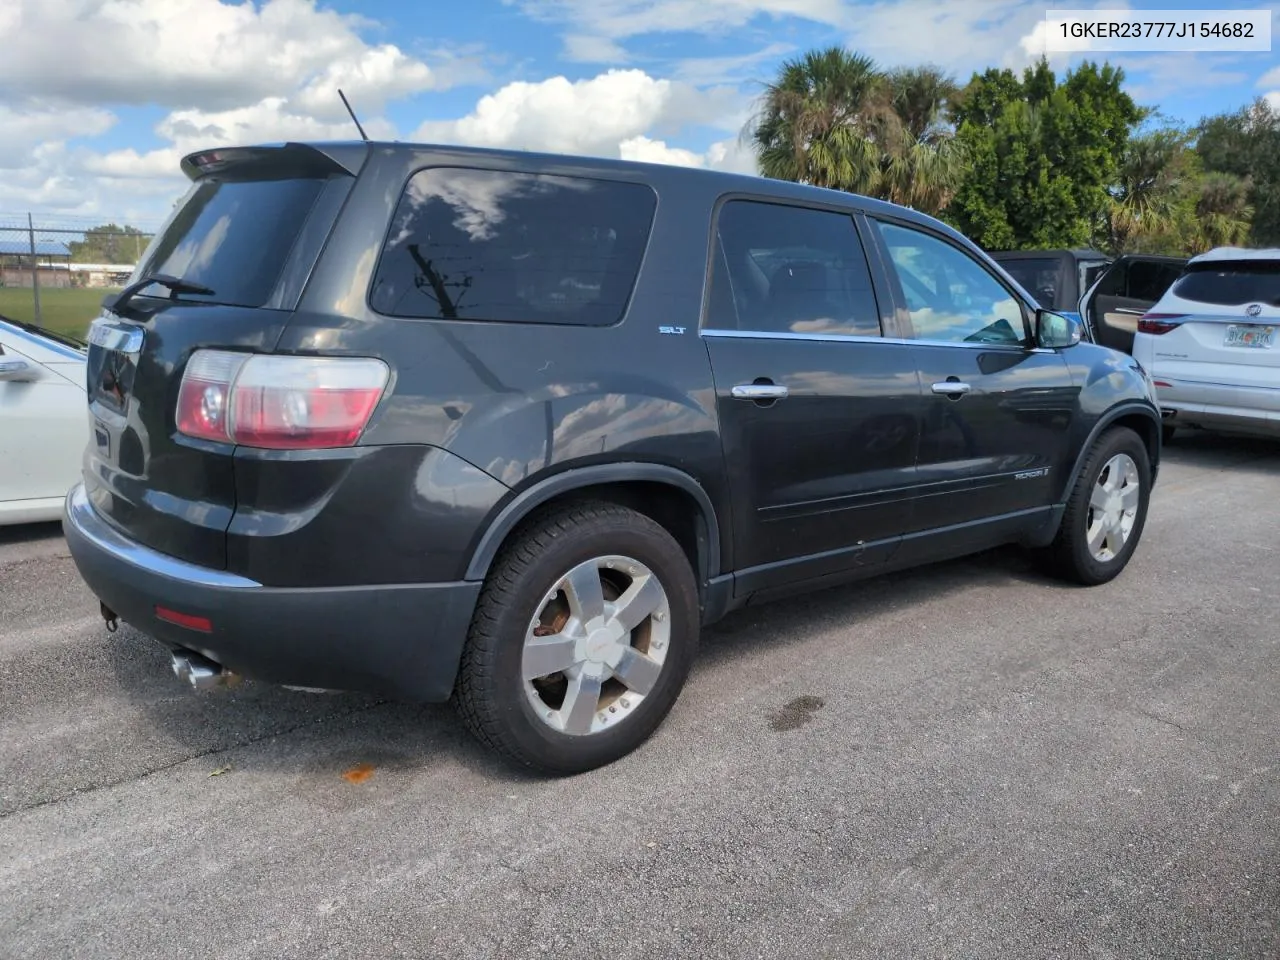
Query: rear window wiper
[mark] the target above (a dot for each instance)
(175, 285)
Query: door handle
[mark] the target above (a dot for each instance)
(952, 388)
(759, 391)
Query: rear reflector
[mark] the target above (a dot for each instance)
(203, 624)
(1161, 383)
(279, 402)
(1158, 323)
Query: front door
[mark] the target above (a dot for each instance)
(819, 414)
(996, 411)
(1127, 290)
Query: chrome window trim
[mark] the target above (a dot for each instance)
(852, 338)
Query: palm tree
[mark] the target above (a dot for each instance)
(833, 119)
(1147, 201)
(1223, 213)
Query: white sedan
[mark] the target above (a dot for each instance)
(44, 421)
(1212, 344)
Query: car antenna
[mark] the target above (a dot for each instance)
(354, 118)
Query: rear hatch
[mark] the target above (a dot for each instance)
(1220, 324)
(248, 232)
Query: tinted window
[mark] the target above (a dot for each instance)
(782, 269)
(491, 245)
(1090, 270)
(1037, 277)
(1231, 284)
(233, 237)
(949, 295)
(1149, 281)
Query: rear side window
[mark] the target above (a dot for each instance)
(784, 269)
(1149, 280)
(526, 248)
(1037, 277)
(1231, 284)
(233, 236)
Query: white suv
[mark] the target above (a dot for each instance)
(1210, 344)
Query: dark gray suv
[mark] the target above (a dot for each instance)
(509, 429)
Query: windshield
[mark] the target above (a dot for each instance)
(232, 237)
(1037, 277)
(1231, 283)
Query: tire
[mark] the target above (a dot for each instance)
(1070, 555)
(521, 718)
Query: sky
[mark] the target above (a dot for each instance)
(99, 99)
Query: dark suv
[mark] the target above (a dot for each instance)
(432, 422)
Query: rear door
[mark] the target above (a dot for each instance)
(249, 230)
(819, 413)
(1123, 293)
(996, 410)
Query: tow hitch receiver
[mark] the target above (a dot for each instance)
(109, 616)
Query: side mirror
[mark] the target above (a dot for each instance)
(15, 370)
(1054, 331)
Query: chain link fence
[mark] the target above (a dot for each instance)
(54, 271)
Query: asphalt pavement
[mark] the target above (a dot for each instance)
(964, 761)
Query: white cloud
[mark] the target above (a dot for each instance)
(583, 48)
(1270, 79)
(584, 117)
(194, 53)
(1273, 99)
(628, 18)
(29, 126)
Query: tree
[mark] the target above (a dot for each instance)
(109, 243)
(833, 119)
(1149, 205)
(1246, 145)
(1044, 154)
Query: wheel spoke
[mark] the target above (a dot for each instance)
(642, 598)
(1098, 498)
(1097, 534)
(544, 656)
(1115, 540)
(637, 671)
(586, 596)
(1130, 496)
(580, 702)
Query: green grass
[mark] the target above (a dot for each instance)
(67, 311)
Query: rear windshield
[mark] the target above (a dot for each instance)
(1231, 284)
(1037, 277)
(232, 237)
(529, 248)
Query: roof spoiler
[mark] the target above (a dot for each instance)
(274, 160)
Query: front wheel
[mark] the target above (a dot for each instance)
(1106, 510)
(581, 641)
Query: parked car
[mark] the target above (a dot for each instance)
(1122, 293)
(1210, 344)
(511, 428)
(1056, 278)
(44, 426)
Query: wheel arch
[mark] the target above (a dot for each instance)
(624, 483)
(1140, 417)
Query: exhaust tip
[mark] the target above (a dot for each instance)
(201, 672)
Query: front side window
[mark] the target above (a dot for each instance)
(949, 295)
(1037, 277)
(526, 248)
(784, 269)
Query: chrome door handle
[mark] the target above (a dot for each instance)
(952, 388)
(759, 391)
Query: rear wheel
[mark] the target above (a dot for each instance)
(582, 639)
(1106, 510)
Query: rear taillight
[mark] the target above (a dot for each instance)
(1158, 323)
(284, 403)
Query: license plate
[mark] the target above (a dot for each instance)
(1250, 335)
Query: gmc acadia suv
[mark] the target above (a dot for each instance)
(508, 428)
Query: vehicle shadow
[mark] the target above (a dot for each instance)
(321, 737)
(1198, 449)
(20, 533)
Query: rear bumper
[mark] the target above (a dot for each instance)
(400, 640)
(1254, 410)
